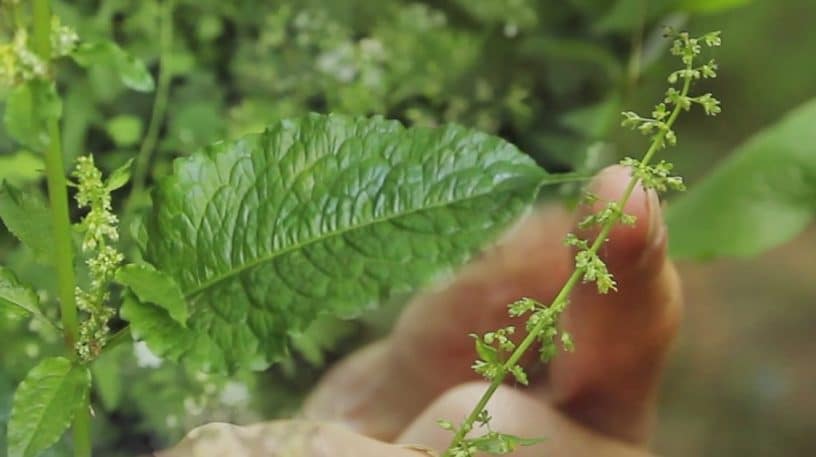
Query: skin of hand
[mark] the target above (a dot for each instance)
(596, 401)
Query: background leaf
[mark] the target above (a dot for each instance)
(760, 197)
(125, 130)
(130, 70)
(28, 109)
(21, 167)
(320, 214)
(710, 6)
(44, 405)
(26, 216)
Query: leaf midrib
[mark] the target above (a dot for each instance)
(270, 257)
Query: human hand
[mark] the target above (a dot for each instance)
(596, 401)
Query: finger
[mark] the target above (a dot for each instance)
(379, 390)
(518, 413)
(283, 439)
(609, 381)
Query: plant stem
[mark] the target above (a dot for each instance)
(63, 246)
(569, 285)
(159, 102)
(57, 191)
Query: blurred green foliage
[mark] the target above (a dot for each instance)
(549, 75)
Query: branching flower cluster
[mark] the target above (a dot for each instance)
(99, 228)
(499, 356)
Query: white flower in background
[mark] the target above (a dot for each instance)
(234, 393)
(144, 357)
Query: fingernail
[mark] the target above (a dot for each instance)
(656, 232)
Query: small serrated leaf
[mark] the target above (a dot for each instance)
(44, 405)
(15, 297)
(154, 287)
(26, 216)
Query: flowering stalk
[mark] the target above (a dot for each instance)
(499, 356)
(100, 230)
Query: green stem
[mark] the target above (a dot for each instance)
(57, 191)
(63, 247)
(159, 102)
(82, 431)
(561, 299)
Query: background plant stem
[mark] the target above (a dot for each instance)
(159, 102)
(63, 248)
(569, 285)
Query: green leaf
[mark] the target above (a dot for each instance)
(167, 338)
(125, 130)
(119, 177)
(154, 287)
(710, 6)
(26, 216)
(320, 214)
(44, 405)
(763, 195)
(29, 107)
(15, 297)
(131, 71)
(21, 167)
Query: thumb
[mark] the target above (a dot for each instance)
(609, 383)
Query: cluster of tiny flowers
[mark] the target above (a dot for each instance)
(657, 177)
(18, 63)
(64, 39)
(544, 318)
(100, 229)
(687, 48)
(494, 350)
